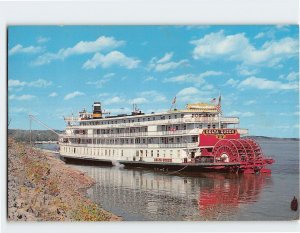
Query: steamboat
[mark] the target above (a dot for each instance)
(197, 138)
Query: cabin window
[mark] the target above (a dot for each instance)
(208, 126)
(178, 153)
(146, 153)
(151, 153)
(74, 150)
(137, 153)
(214, 126)
(148, 118)
(175, 116)
(171, 153)
(194, 139)
(153, 118)
(169, 117)
(122, 152)
(164, 153)
(157, 153)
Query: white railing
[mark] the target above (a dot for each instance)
(233, 120)
(137, 134)
(170, 145)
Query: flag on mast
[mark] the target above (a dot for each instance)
(174, 100)
(219, 104)
(213, 100)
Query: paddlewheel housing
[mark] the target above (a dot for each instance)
(246, 153)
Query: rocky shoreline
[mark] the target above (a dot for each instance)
(43, 188)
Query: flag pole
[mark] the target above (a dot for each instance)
(219, 109)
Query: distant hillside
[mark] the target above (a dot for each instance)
(272, 138)
(36, 135)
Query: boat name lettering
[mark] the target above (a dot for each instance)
(163, 160)
(219, 131)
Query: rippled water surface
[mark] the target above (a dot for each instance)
(138, 194)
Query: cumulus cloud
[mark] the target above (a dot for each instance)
(241, 114)
(153, 96)
(165, 63)
(237, 47)
(37, 83)
(102, 43)
(26, 50)
(21, 97)
(73, 95)
(100, 83)
(150, 78)
(196, 95)
(232, 82)
(42, 39)
(53, 94)
(110, 59)
(192, 78)
(114, 100)
(292, 76)
(139, 100)
(264, 84)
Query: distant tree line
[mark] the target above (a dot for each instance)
(36, 135)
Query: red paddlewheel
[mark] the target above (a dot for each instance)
(246, 151)
(226, 151)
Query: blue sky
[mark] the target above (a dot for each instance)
(56, 70)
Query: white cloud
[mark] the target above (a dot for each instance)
(241, 114)
(100, 83)
(53, 94)
(21, 97)
(42, 39)
(153, 96)
(292, 76)
(20, 49)
(167, 57)
(192, 78)
(109, 75)
(110, 59)
(196, 95)
(188, 91)
(245, 71)
(264, 84)
(139, 100)
(150, 78)
(259, 35)
(102, 43)
(238, 48)
(232, 82)
(73, 95)
(37, 83)
(165, 63)
(114, 100)
(16, 83)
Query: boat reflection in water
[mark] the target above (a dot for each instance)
(225, 194)
(147, 195)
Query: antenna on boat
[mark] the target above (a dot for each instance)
(173, 105)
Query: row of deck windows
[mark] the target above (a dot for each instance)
(108, 152)
(162, 140)
(131, 120)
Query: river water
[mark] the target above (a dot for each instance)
(139, 194)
